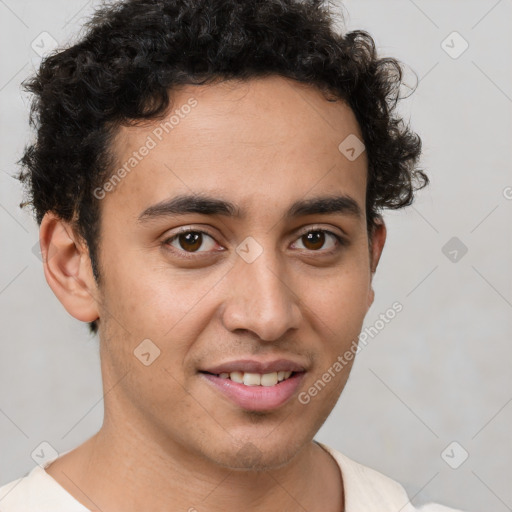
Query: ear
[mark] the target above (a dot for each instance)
(376, 245)
(67, 268)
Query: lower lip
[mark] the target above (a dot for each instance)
(257, 398)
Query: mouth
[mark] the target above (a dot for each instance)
(255, 379)
(255, 391)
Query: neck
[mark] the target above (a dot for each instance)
(121, 470)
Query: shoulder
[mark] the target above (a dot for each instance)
(368, 489)
(9, 497)
(37, 491)
(15, 495)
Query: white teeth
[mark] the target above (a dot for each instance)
(237, 377)
(252, 379)
(269, 379)
(256, 379)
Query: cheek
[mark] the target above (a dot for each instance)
(336, 307)
(158, 301)
(338, 322)
(340, 298)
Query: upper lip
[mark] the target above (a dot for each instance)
(255, 366)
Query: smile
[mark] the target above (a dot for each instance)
(254, 391)
(256, 379)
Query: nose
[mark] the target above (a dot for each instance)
(260, 299)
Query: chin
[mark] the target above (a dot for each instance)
(262, 454)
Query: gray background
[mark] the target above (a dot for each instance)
(438, 373)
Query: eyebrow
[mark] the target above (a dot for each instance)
(207, 205)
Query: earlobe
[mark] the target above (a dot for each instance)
(67, 268)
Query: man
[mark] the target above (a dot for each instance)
(208, 178)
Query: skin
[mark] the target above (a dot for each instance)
(169, 441)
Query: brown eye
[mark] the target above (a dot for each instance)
(191, 241)
(315, 240)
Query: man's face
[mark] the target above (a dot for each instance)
(262, 287)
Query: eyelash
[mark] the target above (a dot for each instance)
(341, 242)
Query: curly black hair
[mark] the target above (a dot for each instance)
(134, 52)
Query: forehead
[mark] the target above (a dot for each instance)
(268, 140)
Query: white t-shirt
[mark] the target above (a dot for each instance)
(365, 489)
